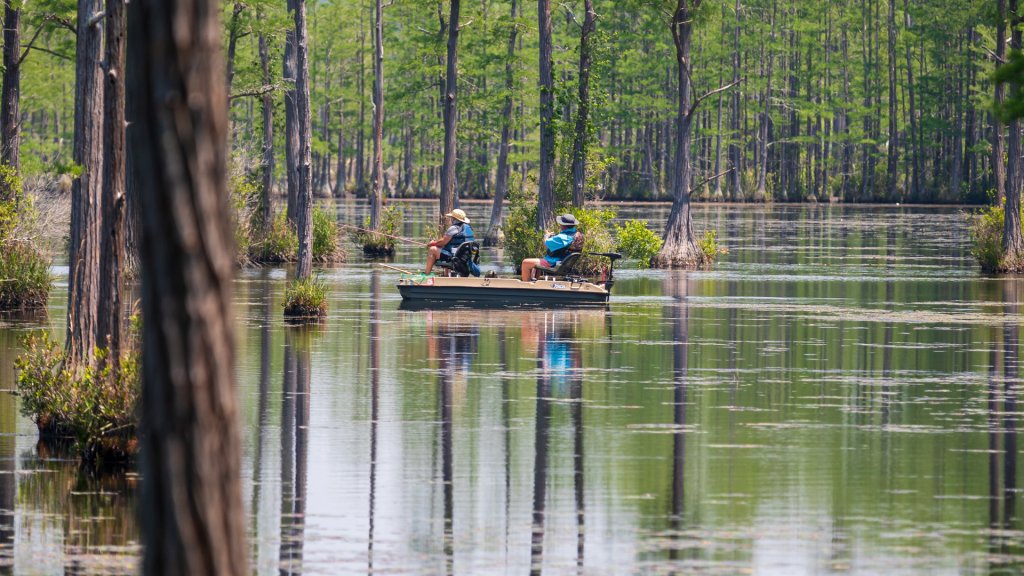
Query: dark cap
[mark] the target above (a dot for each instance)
(566, 220)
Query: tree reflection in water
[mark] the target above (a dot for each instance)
(294, 447)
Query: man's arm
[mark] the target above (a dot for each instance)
(442, 241)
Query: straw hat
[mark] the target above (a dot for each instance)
(459, 215)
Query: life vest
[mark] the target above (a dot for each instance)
(575, 246)
(465, 235)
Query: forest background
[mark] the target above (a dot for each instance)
(855, 101)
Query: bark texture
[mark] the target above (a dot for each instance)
(10, 93)
(451, 113)
(304, 192)
(494, 235)
(579, 147)
(546, 184)
(192, 515)
(377, 186)
(267, 103)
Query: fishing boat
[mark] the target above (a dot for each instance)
(556, 286)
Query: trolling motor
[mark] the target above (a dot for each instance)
(608, 281)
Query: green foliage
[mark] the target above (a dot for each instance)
(24, 276)
(96, 405)
(275, 243)
(1012, 73)
(987, 238)
(709, 248)
(522, 240)
(326, 246)
(306, 298)
(390, 224)
(636, 241)
(596, 226)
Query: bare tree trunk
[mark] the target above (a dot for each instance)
(680, 247)
(110, 322)
(893, 155)
(267, 192)
(341, 177)
(998, 165)
(376, 198)
(84, 249)
(1013, 241)
(193, 520)
(761, 194)
(10, 93)
(736, 176)
(361, 82)
(546, 184)
(580, 146)
(494, 234)
(450, 112)
(291, 123)
(304, 192)
(233, 26)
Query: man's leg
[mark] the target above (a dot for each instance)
(527, 266)
(433, 253)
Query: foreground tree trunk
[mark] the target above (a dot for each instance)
(494, 234)
(84, 240)
(304, 192)
(376, 200)
(998, 165)
(1013, 240)
(546, 184)
(113, 200)
(10, 93)
(192, 515)
(451, 85)
(680, 248)
(579, 147)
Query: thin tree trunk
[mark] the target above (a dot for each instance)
(736, 176)
(998, 164)
(893, 152)
(304, 192)
(361, 138)
(376, 194)
(546, 181)
(193, 520)
(494, 234)
(341, 178)
(267, 192)
(291, 123)
(761, 195)
(450, 112)
(112, 203)
(84, 248)
(233, 26)
(580, 145)
(1013, 241)
(10, 93)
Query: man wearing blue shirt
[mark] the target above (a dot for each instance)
(558, 246)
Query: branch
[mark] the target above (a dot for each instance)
(52, 53)
(33, 40)
(571, 14)
(704, 97)
(256, 91)
(466, 25)
(709, 179)
(995, 56)
(97, 18)
(64, 22)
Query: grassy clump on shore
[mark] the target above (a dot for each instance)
(96, 406)
(326, 234)
(24, 268)
(306, 298)
(380, 243)
(987, 238)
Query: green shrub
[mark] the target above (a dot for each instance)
(275, 243)
(24, 276)
(306, 299)
(709, 248)
(95, 405)
(636, 241)
(379, 244)
(522, 240)
(596, 226)
(326, 247)
(987, 238)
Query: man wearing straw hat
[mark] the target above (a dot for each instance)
(444, 247)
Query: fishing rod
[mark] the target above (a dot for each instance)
(383, 234)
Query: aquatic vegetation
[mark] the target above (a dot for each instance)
(306, 298)
(326, 244)
(987, 238)
(710, 250)
(635, 240)
(275, 243)
(375, 244)
(24, 267)
(96, 406)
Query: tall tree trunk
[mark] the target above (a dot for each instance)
(84, 248)
(361, 84)
(376, 197)
(291, 123)
(494, 234)
(1013, 241)
(233, 27)
(580, 145)
(546, 181)
(341, 176)
(761, 194)
(112, 203)
(10, 93)
(680, 247)
(998, 164)
(736, 176)
(193, 520)
(450, 112)
(915, 159)
(304, 192)
(267, 192)
(893, 152)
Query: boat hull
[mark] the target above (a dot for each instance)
(501, 292)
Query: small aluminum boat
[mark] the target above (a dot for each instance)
(502, 291)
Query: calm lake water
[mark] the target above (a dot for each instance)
(838, 395)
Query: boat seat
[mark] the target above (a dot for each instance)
(459, 263)
(563, 268)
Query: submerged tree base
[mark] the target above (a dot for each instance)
(306, 300)
(690, 254)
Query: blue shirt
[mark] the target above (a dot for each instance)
(557, 242)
